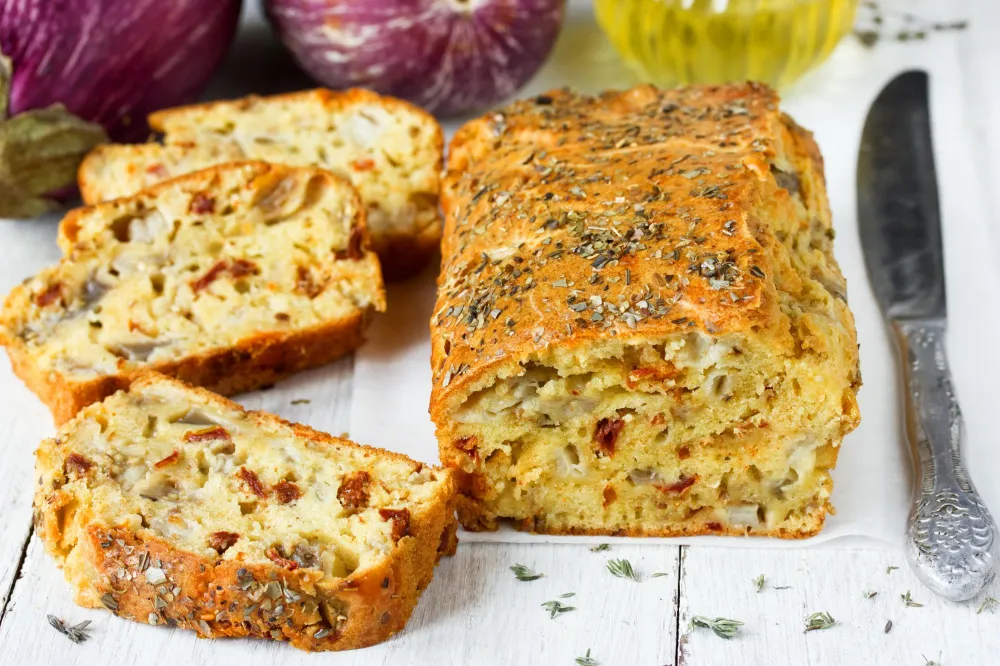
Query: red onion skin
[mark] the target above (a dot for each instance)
(449, 56)
(114, 61)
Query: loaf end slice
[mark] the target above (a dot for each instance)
(170, 505)
(230, 278)
(390, 150)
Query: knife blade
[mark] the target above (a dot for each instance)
(951, 538)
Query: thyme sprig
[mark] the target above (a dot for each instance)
(758, 583)
(989, 603)
(600, 548)
(909, 602)
(523, 573)
(623, 569)
(587, 660)
(723, 627)
(821, 620)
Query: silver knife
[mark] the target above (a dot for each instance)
(951, 539)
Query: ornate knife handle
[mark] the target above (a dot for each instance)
(951, 537)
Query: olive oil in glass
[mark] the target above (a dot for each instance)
(670, 42)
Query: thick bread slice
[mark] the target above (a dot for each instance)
(171, 505)
(229, 278)
(390, 150)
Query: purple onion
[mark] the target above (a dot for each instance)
(113, 61)
(449, 56)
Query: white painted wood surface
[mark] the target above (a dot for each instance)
(475, 612)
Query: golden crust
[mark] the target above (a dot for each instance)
(219, 598)
(258, 359)
(404, 245)
(625, 220)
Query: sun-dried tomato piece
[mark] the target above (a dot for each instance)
(606, 434)
(286, 491)
(363, 164)
(400, 521)
(354, 249)
(679, 487)
(222, 541)
(279, 559)
(684, 453)
(77, 463)
(609, 496)
(52, 294)
(253, 482)
(201, 204)
(715, 527)
(208, 278)
(169, 460)
(304, 282)
(353, 492)
(207, 434)
(157, 170)
(242, 268)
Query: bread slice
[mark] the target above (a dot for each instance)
(170, 505)
(229, 278)
(640, 327)
(390, 150)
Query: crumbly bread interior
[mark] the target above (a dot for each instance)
(219, 483)
(198, 264)
(390, 151)
(641, 328)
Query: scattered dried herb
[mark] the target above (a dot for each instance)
(888, 626)
(76, 632)
(989, 603)
(931, 662)
(888, 25)
(587, 660)
(567, 595)
(622, 569)
(301, 401)
(658, 574)
(758, 583)
(523, 573)
(821, 620)
(556, 607)
(600, 548)
(723, 627)
(907, 601)
(870, 594)
(889, 570)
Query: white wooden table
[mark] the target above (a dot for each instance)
(475, 612)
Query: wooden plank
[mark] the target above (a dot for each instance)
(24, 248)
(720, 583)
(474, 612)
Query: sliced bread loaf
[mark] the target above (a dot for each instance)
(229, 278)
(169, 505)
(390, 150)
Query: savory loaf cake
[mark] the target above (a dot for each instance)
(170, 505)
(390, 150)
(229, 278)
(640, 326)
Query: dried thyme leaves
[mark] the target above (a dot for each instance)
(722, 627)
(879, 25)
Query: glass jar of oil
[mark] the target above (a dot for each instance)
(712, 41)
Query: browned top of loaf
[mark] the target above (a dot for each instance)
(633, 214)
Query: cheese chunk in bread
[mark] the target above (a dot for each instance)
(229, 278)
(169, 505)
(640, 326)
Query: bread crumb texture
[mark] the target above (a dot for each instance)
(230, 278)
(391, 151)
(169, 505)
(640, 326)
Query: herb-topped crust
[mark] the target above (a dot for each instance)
(572, 217)
(635, 257)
